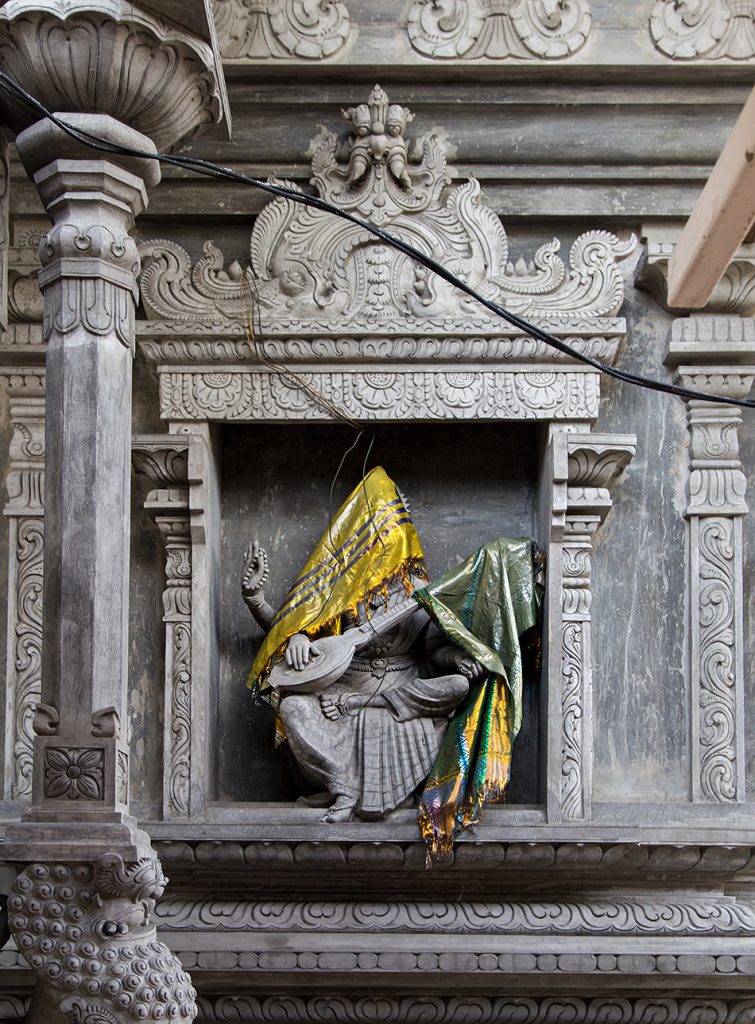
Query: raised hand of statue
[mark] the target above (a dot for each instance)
(254, 572)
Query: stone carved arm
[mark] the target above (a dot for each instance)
(254, 573)
(449, 657)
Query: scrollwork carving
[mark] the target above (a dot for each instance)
(85, 931)
(704, 29)
(718, 770)
(180, 723)
(29, 555)
(314, 268)
(280, 29)
(586, 916)
(572, 667)
(460, 1010)
(498, 29)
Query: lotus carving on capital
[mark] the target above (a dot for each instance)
(109, 57)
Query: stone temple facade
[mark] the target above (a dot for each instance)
(548, 152)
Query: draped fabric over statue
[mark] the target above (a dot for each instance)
(485, 605)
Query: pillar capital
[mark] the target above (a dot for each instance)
(115, 57)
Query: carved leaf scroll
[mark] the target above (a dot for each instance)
(311, 266)
(704, 29)
(498, 29)
(280, 29)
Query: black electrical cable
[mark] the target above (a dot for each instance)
(212, 170)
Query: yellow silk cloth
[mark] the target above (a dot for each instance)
(370, 542)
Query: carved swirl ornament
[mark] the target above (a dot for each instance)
(324, 1009)
(280, 29)
(498, 29)
(312, 268)
(704, 29)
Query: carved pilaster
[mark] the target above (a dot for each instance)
(25, 512)
(716, 505)
(85, 929)
(164, 460)
(594, 460)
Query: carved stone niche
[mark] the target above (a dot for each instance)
(346, 327)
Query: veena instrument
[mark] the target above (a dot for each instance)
(332, 655)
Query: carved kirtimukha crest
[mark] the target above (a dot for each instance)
(312, 266)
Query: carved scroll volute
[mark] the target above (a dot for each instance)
(594, 461)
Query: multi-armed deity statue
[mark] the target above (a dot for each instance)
(367, 664)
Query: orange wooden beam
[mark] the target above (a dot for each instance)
(721, 219)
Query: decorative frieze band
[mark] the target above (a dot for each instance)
(594, 460)
(385, 394)
(608, 916)
(460, 1009)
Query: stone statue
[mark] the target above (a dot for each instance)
(379, 128)
(371, 736)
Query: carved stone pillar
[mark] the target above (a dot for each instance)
(163, 83)
(594, 460)
(25, 512)
(716, 354)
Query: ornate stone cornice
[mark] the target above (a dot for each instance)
(522, 30)
(704, 29)
(260, 30)
(115, 57)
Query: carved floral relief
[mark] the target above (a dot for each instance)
(498, 29)
(279, 29)
(704, 29)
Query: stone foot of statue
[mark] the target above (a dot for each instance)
(341, 810)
